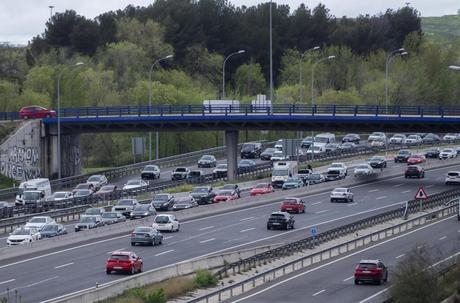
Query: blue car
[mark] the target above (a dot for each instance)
(293, 183)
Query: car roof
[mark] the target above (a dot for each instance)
(375, 261)
(340, 188)
(119, 252)
(280, 213)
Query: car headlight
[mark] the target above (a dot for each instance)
(146, 214)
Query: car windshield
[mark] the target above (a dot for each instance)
(292, 180)
(125, 202)
(119, 257)
(290, 201)
(109, 215)
(222, 166)
(246, 162)
(21, 232)
(340, 190)
(277, 153)
(269, 151)
(183, 200)
(95, 211)
(161, 219)
(31, 195)
(276, 216)
(87, 219)
(207, 158)
(367, 266)
(314, 176)
(107, 188)
(248, 147)
(81, 193)
(307, 139)
(261, 185)
(321, 139)
(200, 190)
(133, 182)
(280, 172)
(377, 134)
(336, 165)
(181, 169)
(94, 179)
(453, 174)
(362, 167)
(51, 227)
(229, 186)
(38, 220)
(398, 136)
(412, 137)
(404, 152)
(194, 173)
(224, 193)
(450, 135)
(141, 208)
(59, 195)
(448, 151)
(377, 159)
(161, 198)
(150, 168)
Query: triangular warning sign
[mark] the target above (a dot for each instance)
(421, 194)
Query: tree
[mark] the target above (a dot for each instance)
(85, 37)
(60, 27)
(249, 80)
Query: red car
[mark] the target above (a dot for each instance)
(106, 191)
(36, 112)
(123, 261)
(416, 159)
(293, 205)
(371, 271)
(261, 189)
(225, 195)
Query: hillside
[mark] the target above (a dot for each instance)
(441, 29)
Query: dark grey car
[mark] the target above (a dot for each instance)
(88, 222)
(146, 235)
(163, 201)
(185, 203)
(112, 217)
(142, 211)
(53, 230)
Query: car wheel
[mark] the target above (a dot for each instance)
(178, 227)
(140, 269)
(269, 227)
(385, 280)
(133, 270)
(356, 282)
(379, 281)
(161, 241)
(133, 244)
(108, 271)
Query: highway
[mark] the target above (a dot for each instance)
(81, 266)
(333, 281)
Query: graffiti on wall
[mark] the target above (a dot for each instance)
(21, 163)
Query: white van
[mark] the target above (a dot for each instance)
(324, 139)
(41, 184)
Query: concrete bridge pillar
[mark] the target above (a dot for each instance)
(231, 140)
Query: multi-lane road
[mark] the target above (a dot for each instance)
(82, 266)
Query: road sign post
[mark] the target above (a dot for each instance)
(420, 196)
(313, 232)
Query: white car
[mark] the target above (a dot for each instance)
(376, 136)
(98, 181)
(338, 166)
(341, 194)
(452, 177)
(447, 153)
(166, 223)
(279, 144)
(413, 140)
(363, 170)
(23, 235)
(450, 137)
(39, 222)
(135, 184)
(397, 139)
(61, 195)
(378, 143)
(316, 149)
(278, 156)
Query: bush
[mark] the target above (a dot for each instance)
(136, 293)
(204, 278)
(157, 296)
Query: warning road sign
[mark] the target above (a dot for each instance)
(421, 194)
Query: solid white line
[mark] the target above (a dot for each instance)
(373, 190)
(317, 293)
(341, 259)
(380, 198)
(349, 278)
(249, 218)
(63, 265)
(169, 237)
(400, 256)
(8, 281)
(165, 252)
(209, 240)
(406, 191)
(442, 238)
(353, 204)
(398, 185)
(375, 295)
(208, 227)
(316, 203)
(322, 211)
(245, 230)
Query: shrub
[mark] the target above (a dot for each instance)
(157, 296)
(204, 278)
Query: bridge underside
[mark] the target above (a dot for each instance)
(255, 122)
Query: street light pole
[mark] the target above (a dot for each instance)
(313, 99)
(59, 114)
(271, 55)
(401, 52)
(223, 70)
(157, 136)
(51, 11)
(300, 70)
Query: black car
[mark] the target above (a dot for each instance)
(414, 171)
(280, 220)
(431, 139)
(203, 194)
(150, 172)
(52, 230)
(246, 165)
(377, 162)
(6, 209)
(251, 150)
(402, 156)
(233, 187)
(142, 211)
(306, 142)
(267, 154)
(163, 201)
(354, 138)
(433, 152)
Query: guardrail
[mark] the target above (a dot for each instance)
(413, 206)
(308, 260)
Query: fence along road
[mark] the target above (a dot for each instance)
(214, 234)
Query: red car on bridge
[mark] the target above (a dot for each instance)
(261, 189)
(36, 112)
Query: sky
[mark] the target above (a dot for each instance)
(20, 20)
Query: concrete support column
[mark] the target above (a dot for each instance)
(231, 140)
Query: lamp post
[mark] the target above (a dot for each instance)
(51, 11)
(157, 136)
(401, 52)
(223, 70)
(271, 55)
(300, 70)
(313, 99)
(59, 114)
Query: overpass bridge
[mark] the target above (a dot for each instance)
(176, 118)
